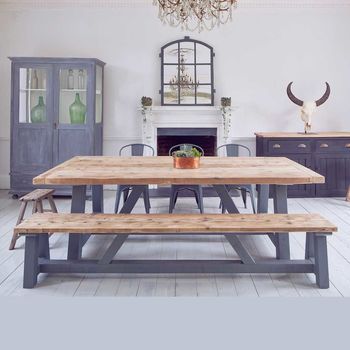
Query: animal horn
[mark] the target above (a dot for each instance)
(325, 97)
(292, 97)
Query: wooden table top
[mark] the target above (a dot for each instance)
(103, 170)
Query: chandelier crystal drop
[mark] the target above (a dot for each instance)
(195, 15)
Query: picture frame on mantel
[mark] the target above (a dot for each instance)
(187, 73)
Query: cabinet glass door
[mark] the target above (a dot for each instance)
(73, 112)
(99, 94)
(32, 95)
(33, 121)
(73, 96)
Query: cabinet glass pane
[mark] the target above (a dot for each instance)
(99, 94)
(32, 95)
(72, 107)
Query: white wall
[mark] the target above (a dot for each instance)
(256, 56)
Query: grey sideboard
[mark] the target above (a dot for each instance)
(56, 114)
(327, 153)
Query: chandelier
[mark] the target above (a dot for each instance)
(184, 80)
(195, 15)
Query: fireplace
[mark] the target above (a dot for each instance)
(203, 137)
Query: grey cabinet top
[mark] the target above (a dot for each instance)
(56, 60)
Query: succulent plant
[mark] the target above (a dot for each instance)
(192, 153)
(146, 101)
(225, 101)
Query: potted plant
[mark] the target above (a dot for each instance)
(225, 102)
(146, 101)
(146, 107)
(187, 159)
(226, 116)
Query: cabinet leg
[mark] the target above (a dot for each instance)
(348, 195)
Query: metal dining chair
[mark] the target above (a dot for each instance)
(196, 189)
(135, 150)
(234, 150)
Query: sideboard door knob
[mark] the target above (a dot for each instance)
(324, 145)
(276, 145)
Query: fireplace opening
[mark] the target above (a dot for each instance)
(203, 137)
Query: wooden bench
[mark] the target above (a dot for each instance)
(36, 197)
(39, 226)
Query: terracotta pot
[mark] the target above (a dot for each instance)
(186, 163)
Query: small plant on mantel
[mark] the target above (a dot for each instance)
(226, 116)
(146, 105)
(187, 159)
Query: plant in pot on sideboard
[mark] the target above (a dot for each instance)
(187, 158)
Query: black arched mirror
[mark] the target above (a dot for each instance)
(187, 73)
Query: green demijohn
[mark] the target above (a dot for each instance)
(38, 113)
(77, 111)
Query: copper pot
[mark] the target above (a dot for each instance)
(186, 162)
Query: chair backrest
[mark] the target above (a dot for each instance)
(185, 147)
(136, 150)
(234, 150)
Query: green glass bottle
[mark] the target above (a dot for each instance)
(77, 111)
(38, 112)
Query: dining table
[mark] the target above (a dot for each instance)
(271, 175)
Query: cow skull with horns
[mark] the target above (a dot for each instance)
(308, 108)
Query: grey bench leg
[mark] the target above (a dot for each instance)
(321, 261)
(31, 261)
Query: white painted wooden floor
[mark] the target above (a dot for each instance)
(253, 285)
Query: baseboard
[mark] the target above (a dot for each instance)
(4, 182)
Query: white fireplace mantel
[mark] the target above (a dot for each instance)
(184, 117)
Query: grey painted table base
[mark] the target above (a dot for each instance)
(281, 241)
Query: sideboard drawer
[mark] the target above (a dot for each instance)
(325, 146)
(289, 146)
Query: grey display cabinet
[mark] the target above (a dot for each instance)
(327, 153)
(56, 114)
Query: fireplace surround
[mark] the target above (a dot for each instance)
(163, 125)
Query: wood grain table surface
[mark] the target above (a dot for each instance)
(105, 170)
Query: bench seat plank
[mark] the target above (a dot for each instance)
(37, 194)
(173, 223)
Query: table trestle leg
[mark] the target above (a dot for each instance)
(309, 246)
(240, 249)
(226, 199)
(75, 242)
(113, 249)
(132, 199)
(281, 207)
